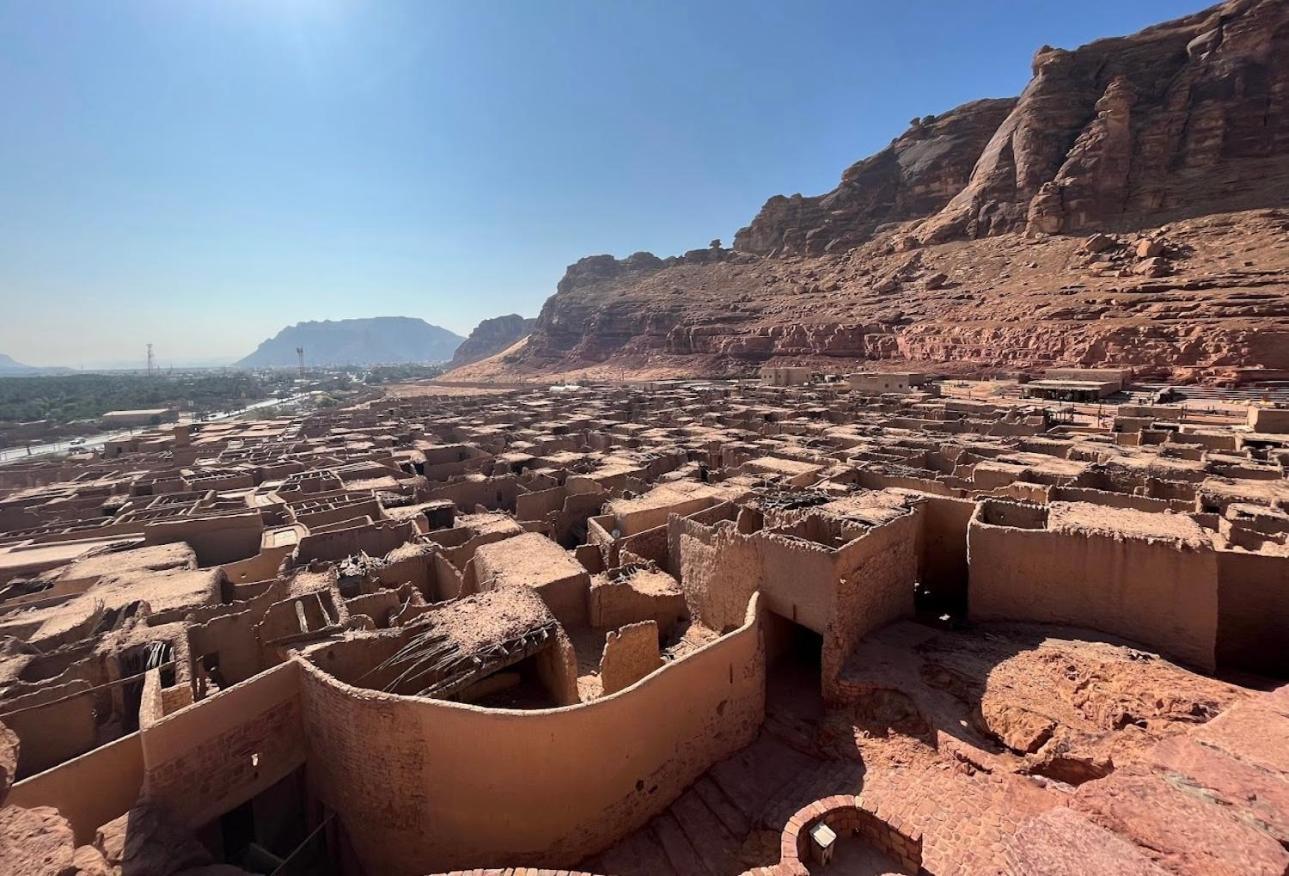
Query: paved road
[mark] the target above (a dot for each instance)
(96, 442)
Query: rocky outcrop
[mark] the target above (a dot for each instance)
(1182, 119)
(8, 760)
(962, 243)
(912, 178)
(491, 337)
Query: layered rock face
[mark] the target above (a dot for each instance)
(912, 178)
(966, 241)
(491, 337)
(1182, 119)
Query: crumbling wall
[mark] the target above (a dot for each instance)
(220, 752)
(53, 724)
(226, 538)
(424, 785)
(615, 603)
(874, 576)
(798, 579)
(376, 539)
(650, 544)
(537, 504)
(942, 568)
(1148, 591)
(719, 570)
(89, 790)
(232, 637)
(630, 653)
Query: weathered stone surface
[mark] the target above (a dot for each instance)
(491, 337)
(1191, 833)
(35, 842)
(1061, 842)
(8, 760)
(916, 175)
(147, 840)
(1128, 129)
(1009, 302)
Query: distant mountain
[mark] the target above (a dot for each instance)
(11, 368)
(380, 340)
(492, 336)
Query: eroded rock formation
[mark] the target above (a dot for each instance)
(491, 337)
(962, 243)
(913, 177)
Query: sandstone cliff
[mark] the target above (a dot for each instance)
(964, 244)
(1182, 119)
(912, 178)
(491, 337)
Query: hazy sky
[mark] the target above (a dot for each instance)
(200, 174)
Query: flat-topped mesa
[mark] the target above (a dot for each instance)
(910, 179)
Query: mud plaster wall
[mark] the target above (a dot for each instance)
(89, 790)
(51, 734)
(216, 540)
(497, 492)
(1253, 614)
(718, 570)
(798, 579)
(1148, 592)
(630, 653)
(377, 540)
(650, 544)
(424, 786)
(214, 755)
(232, 637)
(537, 504)
(875, 577)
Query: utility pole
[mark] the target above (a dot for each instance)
(299, 352)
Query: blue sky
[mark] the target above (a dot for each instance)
(200, 174)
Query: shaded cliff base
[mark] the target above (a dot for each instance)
(1199, 299)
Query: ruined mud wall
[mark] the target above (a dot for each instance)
(943, 566)
(53, 724)
(218, 753)
(718, 569)
(217, 540)
(89, 790)
(424, 785)
(1145, 591)
(875, 577)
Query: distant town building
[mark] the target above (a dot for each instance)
(141, 417)
(785, 375)
(885, 381)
